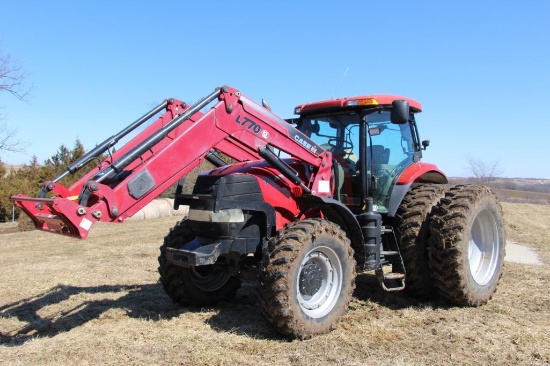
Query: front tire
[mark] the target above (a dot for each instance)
(193, 286)
(467, 245)
(307, 278)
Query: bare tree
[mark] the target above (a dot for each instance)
(12, 80)
(9, 141)
(484, 172)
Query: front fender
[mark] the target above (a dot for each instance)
(335, 211)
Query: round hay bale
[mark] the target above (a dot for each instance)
(140, 215)
(162, 207)
(151, 211)
(182, 210)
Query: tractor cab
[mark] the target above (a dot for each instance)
(372, 140)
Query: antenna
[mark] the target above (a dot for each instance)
(340, 83)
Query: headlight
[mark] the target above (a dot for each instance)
(228, 215)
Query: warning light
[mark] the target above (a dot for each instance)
(360, 102)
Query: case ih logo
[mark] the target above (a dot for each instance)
(265, 134)
(308, 144)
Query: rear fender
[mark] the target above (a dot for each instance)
(422, 173)
(415, 173)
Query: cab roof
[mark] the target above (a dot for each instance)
(365, 101)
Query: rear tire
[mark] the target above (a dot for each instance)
(412, 223)
(194, 286)
(467, 245)
(307, 278)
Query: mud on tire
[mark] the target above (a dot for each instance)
(466, 246)
(198, 286)
(307, 277)
(412, 223)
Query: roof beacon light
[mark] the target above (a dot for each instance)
(359, 102)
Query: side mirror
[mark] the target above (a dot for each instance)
(425, 144)
(399, 112)
(315, 128)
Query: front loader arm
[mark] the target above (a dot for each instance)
(167, 150)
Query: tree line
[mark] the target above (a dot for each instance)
(29, 178)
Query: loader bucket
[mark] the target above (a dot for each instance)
(58, 215)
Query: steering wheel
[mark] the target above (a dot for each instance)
(346, 145)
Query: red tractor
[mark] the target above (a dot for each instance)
(310, 202)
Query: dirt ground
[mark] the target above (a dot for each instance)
(65, 301)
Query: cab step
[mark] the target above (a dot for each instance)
(391, 281)
(394, 276)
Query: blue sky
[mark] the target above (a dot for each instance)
(481, 69)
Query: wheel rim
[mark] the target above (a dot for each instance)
(483, 248)
(319, 282)
(208, 280)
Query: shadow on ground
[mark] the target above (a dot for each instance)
(240, 316)
(368, 288)
(243, 316)
(146, 301)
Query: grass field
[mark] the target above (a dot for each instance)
(64, 301)
(514, 196)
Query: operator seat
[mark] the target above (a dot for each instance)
(380, 155)
(339, 178)
(343, 169)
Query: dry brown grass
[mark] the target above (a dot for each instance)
(64, 301)
(515, 196)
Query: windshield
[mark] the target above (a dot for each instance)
(390, 149)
